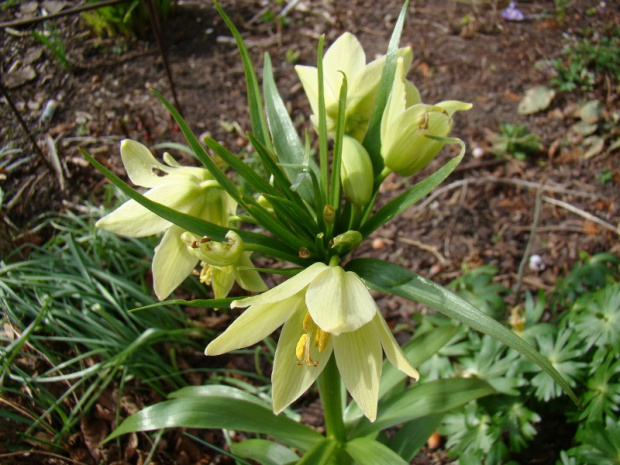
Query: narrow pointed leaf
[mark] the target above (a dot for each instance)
(393, 279)
(257, 117)
(195, 225)
(286, 141)
(218, 412)
(337, 156)
(372, 140)
(424, 399)
(399, 204)
(366, 451)
(264, 452)
(260, 185)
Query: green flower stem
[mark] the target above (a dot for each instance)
(331, 396)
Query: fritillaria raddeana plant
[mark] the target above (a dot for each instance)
(311, 213)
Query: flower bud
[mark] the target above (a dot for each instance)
(356, 172)
(408, 127)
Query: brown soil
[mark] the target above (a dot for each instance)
(482, 214)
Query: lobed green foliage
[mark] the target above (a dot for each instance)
(577, 327)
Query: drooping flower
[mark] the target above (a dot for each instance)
(188, 190)
(346, 56)
(406, 125)
(223, 263)
(324, 309)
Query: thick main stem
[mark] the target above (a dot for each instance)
(331, 397)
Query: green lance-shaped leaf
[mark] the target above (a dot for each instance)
(337, 158)
(219, 412)
(424, 399)
(366, 451)
(393, 279)
(257, 117)
(257, 242)
(264, 452)
(399, 204)
(372, 140)
(286, 141)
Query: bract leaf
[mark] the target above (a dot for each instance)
(372, 140)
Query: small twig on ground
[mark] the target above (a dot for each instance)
(583, 214)
(427, 248)
(493, 179)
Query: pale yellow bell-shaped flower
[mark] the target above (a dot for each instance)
(346, 56)
(407, 123)
(223, 263)
(324, 309)
(185, 189)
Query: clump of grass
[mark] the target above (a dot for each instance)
(69, 333)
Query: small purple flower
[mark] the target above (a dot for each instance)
(512, 13)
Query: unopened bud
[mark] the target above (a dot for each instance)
(356, 172)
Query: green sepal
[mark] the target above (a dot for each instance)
(399, 204)
(424, 399)
(396, 280)
(366, 451)
(257, 117)
(264, 452)
(372, 140)
(218, 412)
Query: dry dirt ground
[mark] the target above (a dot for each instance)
(483, 214)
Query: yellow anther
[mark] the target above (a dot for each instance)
(323, 338)
(300, 350)
(308, 324)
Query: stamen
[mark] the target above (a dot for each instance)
(301, 346)
(323, 338)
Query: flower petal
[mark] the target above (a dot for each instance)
(346, 55)
(289, 379)
(139, 163)
(254, 325)
(284, 290)
(391, 348)
(222, 280)
(359, 360)
(309, 77)
(133, 220)
(339, 302)
(172, 263)
(249, 279)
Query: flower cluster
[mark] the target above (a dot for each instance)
(323, 308)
